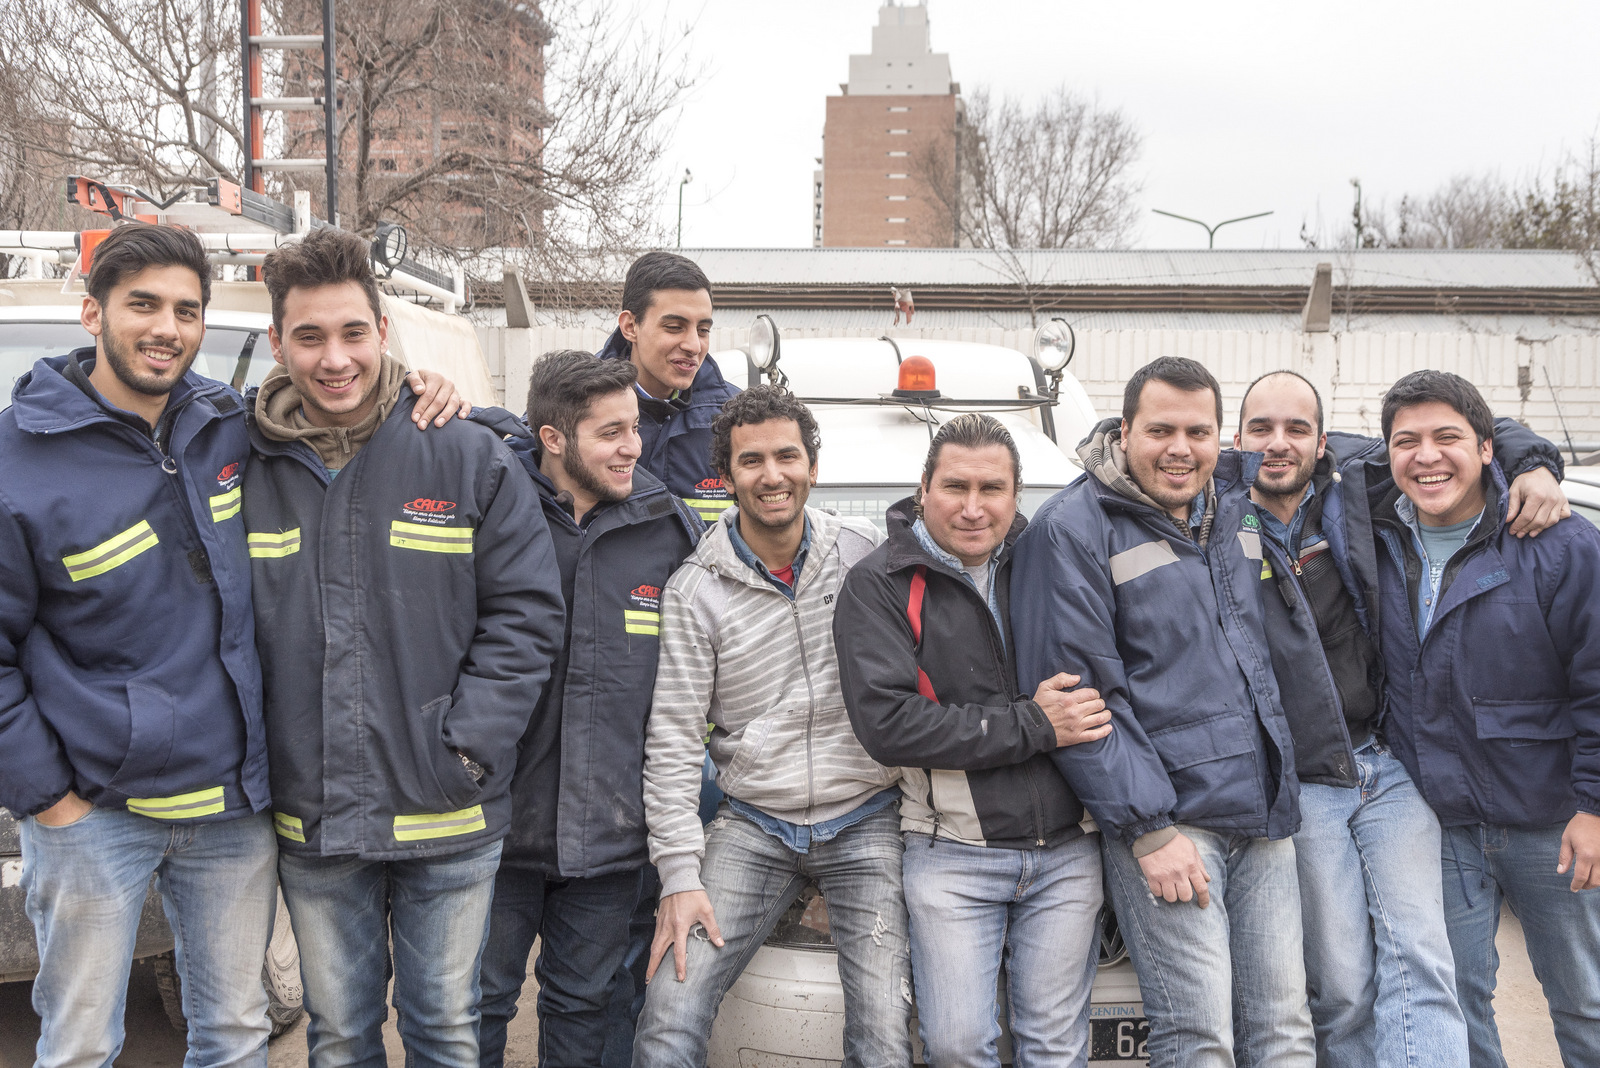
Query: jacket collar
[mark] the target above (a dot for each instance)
(45, 401)
(906, 549)
(716, 552)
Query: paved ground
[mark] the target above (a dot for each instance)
(152, 1043)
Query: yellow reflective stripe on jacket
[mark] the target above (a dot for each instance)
(207, 802)
(641, 622)
(438, 824)
(709, 510)
(226, 505)
(274, 546)
(430, 539)
(111, 553)
(288, 826)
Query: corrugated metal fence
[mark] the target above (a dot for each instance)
(1525, 379)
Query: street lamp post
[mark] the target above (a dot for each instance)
(687, 178)
(1211, 231)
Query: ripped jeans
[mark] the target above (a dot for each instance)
(751, 878)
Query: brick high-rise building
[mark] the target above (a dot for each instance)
(889, 164)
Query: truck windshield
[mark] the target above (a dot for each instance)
(238, 357)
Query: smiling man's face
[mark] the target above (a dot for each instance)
(332, 346)
(670, 340)
(149, 331)
(1172, 443)
(1280, 422)
(1438, 462)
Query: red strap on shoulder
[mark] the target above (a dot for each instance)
(919, 586)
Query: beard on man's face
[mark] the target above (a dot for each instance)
(125, 364)
(591, 483)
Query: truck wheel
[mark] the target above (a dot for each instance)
(170, 987)
(280, 974)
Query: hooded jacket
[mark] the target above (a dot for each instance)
(577, 796)
(975, 755)
(1107, 586)
(755, 671)
(676, 433)
(407, 613)
(1495, 712)
(128, 670)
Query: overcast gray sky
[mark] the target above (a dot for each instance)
(1244, 107)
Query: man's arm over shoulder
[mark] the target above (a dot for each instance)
(1064, 620)
(1573, 618)
(895, 723)
(34, 772)
(674, 747)
(521, 620)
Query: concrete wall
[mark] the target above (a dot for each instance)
(1352, 370)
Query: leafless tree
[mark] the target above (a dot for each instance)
(441, 127)
(1056, 174)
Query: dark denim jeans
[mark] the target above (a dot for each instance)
(584, 927)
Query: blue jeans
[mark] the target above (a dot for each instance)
(751, 877)
(85, 885)
(1039, 910)
(583, 924)
(1378, 963)
(1485, 865)
(346, 911)
(1227, 981)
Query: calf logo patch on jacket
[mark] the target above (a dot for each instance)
(645, 615)
(428, 510)
(711, 499)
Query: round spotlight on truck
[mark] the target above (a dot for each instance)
(764, 343)
(390, 245)
(1053, 345)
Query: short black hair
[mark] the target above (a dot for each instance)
(324, 257)
(1273, 374)
(759, 404)
(133, 246)
(1180, 372)
(565, 383)
(1423, 387)
(659, 270)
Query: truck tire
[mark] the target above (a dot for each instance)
(280, 976)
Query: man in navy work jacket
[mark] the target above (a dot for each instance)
(664, 330)
(1142, 578)
(573, 863)
(1492, 645)
(408, 608)
(1379, 970)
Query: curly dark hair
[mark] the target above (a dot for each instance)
(759, 404)
(324, 257)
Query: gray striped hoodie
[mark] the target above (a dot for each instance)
(757, 672)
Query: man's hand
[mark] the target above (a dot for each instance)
(1077, 715)
(1580, 851)
(677, 914)
(69, 809)
(1175, 872)
(1536, 503)
(437, 396)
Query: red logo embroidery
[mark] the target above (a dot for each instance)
(710, 484)
(423, 504)
(227, 472)
(647, 591)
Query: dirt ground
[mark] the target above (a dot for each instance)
(152, 1043)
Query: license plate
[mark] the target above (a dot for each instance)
(1125, 1039)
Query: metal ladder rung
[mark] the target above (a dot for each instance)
(286, 103)
(297, 40)
(290, 164)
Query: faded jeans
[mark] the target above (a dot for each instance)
(1038, 910)
(1486, 865)
(346, 912)
(751, 878)
(1230, 976)
(1378, 961)
(86, 885)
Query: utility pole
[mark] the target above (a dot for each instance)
(1357, 210)
(1211, 231)
(687, 178)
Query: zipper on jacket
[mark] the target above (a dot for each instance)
(1327, 671)
(811, 714)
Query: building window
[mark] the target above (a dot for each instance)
(895, 196)
(816, 233)
(819, 189)
(899, 131)
(386, 165)
(819, 213)
(900, 108)
(899, 153)
(894, 220)
(895, 241)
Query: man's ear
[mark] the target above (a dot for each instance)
(1322, 446)
(1122, 438)
(628, 325)
(551, 440)
(1486, 450)
(92, 316)
(276, 342)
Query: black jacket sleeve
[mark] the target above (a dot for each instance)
(895, 724)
